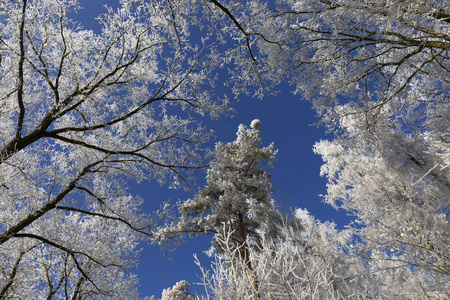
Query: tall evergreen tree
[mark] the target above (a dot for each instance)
(237, 197)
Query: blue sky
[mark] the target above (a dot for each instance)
(295, 177)
(286, 121)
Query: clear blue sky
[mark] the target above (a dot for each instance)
(285, 121)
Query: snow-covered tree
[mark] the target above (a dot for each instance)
(180, 291)
(237, 197)
(238, 193)
(401, 203)
(81, 113)
(370, 51)
(309, 260)
(377, 73)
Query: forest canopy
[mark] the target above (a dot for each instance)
(83, 113)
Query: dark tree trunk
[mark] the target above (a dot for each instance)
(245, 255)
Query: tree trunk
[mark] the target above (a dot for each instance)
(245, 255)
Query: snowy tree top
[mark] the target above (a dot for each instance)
(255, 124)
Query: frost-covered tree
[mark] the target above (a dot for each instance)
(369, 51)
(238, 193)
(237, 197)
(403, 209)
(309, 260)
(180, 291)
(377, 73)
(81, 113)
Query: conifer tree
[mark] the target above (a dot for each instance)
(237, 197)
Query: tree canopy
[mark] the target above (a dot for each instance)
(82, 113)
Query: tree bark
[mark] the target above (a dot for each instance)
(245, 255)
